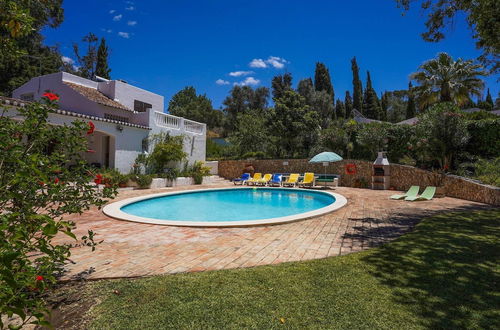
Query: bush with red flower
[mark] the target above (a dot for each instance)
(35, 201)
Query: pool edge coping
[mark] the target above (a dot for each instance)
(113, 210)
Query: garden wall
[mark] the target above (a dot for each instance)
(402, 177)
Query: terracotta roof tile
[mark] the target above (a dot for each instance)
(96, 96)
(20, 103)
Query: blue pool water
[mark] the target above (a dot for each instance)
(229, 204)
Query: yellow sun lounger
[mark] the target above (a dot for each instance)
(292, 180)
(265, 180)
(308, 180)
(255, 179)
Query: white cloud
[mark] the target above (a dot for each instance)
(125, 35)
(132, 23)
(106, 30)
(240, 73)
(117, 18)
(249, 81)
(130, 8)
(221, 82)
(274, 61)
(67, 60)
(258, 63)
(112, 11)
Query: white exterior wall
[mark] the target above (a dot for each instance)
(128, 142)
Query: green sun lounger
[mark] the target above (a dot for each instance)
(412, 192)
(427, 195)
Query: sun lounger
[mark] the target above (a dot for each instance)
(255, 179)
(412, 192)
(244, 177)
(427, 195)
(265, 180)
(308, 180)
(276, 180)
(292, 180)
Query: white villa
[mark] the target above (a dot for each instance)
(123, 115)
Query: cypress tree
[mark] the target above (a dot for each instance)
(340, 109)
(371, 105)
(357, 86)
(410, 107)
(489, 100)
(102, 69)
(322, 81)
(384, 106)
(348, 104)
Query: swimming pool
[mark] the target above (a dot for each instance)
(226, 207)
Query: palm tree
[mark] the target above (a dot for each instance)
(444, 80)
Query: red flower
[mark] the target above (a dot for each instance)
(41, 183)
(91, 128)
(56, 180)
(39, 278)
(90, 150)
(98, 179)
(51, 96)
(446, 167)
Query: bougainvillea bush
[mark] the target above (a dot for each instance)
(43, 178)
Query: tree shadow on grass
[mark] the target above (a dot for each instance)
(446, 270)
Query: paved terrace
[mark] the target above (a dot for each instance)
(134, 249)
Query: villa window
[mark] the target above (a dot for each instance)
(140, 106)
(28, 97)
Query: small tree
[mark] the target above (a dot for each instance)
(166, 149)
(44, 178)
(441, 132)
(374, 137)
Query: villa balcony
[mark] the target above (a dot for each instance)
(178, 123)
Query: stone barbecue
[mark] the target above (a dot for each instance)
(381, 173)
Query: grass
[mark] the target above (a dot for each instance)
(445, 274)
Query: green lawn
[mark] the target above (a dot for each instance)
(445, 274)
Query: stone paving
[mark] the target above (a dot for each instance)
(130, 249)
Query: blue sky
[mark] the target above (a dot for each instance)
(165, 45)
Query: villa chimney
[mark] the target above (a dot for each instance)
(381, 173)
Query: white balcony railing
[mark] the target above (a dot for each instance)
(169, 121)
(174, 122)
(193, 126)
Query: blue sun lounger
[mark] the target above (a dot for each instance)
(244, 177)
(276, 180)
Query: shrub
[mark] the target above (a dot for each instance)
(142, 180)
(113, 177)
(167, 149)
(38, 189)
(484, 138)
(488, 171)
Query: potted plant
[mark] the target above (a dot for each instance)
(198, 171)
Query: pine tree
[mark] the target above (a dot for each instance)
(371, 105)
(357, 86)
(102, 69)
(410, 107)
(489, 100)
(322, 81)
(348, 104)
(340, 109)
